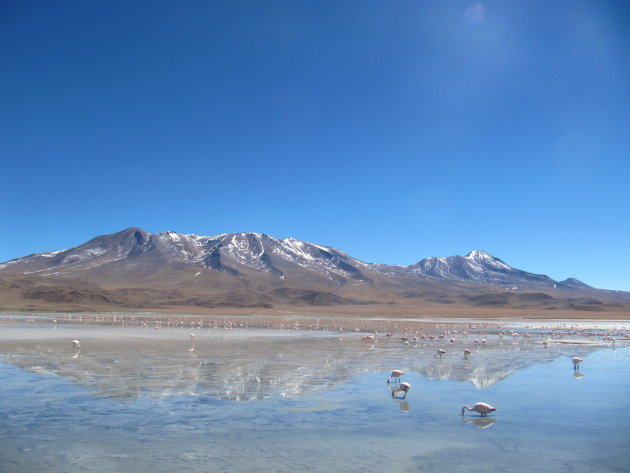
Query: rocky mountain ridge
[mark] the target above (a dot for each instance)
(241, 253)
(134, 268)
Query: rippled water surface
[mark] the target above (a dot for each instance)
(296, 397)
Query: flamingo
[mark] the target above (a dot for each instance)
(576, 362)
(395, 374)
(404, 387)
(481, 407)
(440, 352)
(467, 353)
(77, 348)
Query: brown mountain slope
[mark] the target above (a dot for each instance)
(136, 270)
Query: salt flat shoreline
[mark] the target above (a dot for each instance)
(302, 322)
(359, 313)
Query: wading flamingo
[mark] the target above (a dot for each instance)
(481, 407)
(404, 388)
(467, 353)
(440, 352)
(77, 348)
(395, 374)
(576, 362)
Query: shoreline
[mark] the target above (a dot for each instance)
(345, 312)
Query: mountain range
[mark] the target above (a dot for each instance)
(134, 269)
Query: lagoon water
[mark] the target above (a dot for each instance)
(146, 398)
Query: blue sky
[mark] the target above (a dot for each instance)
(392, 131)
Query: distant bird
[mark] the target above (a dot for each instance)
(192, 337)
(404, 387)
(576, 362)
(481, 407)
(467, 353)
(440, 352)
(77, 348)
(395, 374)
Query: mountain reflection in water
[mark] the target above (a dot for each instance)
(249, 364)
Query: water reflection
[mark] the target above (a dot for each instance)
(480, 422)
(403, 404)
(161, 407)
(249, 364)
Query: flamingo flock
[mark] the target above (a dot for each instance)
(453, 335)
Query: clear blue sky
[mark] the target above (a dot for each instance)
(392, 131)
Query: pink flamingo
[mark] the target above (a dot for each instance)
(481, 407)
(576, 362)
(440, 352)
(395, 374)
(467, 353)
(404, 387)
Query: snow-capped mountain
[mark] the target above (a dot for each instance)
(244, 255)
(477, 266)
(134, 268)
(135, 251)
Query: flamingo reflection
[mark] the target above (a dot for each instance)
(480, 422)
(403, 404)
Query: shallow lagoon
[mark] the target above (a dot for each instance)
(285, 398)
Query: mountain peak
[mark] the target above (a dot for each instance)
(573, 283)
(479, 255)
